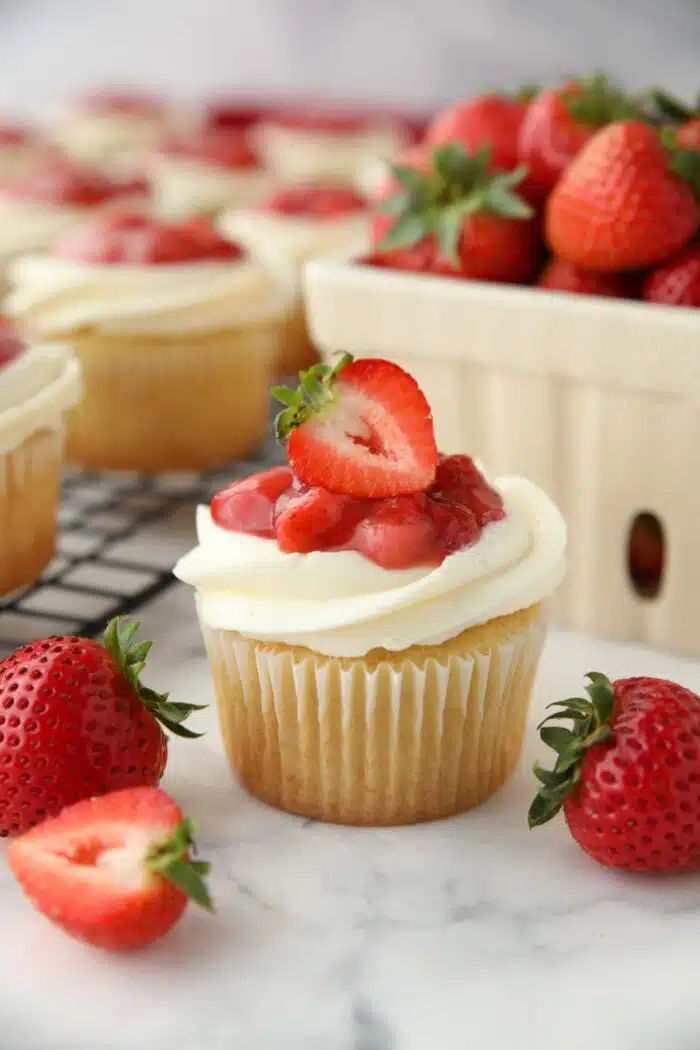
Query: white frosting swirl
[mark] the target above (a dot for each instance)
(27, 226)
(298, 154)
(52, 297)
(184, 186)
(341, 604)
(36, 389)
(297, 238)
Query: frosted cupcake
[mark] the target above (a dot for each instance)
(177, 331)
(305, 146)
(37, 387)
(299, 224)
(21, 150)
(113, 130)
(374, 613)
(203, 173)
(53, 197)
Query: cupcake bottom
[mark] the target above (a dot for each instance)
(297, 352)
(29, 493)
(393, 738)
(159, 404)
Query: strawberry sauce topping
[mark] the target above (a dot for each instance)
(136, 240)
(222, 147)
(324, 122)
(317, 202)
(120, 103)
(364, 473)
(62, 183)
(399, 532)
(11, 346)
(14, 135)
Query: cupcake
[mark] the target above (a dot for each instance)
(305, 146)
(373, 612)
(21, 150)
(37, 387)
(114, 129)
(203, 173)
(52, 198)
(177, 331)
(300, 223)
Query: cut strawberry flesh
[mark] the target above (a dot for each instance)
(318, 202)
(399, 532)
(133, 239)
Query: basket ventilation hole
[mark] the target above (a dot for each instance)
(646, 555)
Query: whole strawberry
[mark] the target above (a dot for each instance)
(488, 120)
(626, 202)
(627, 773)
(559, 122)
(76, 721)
(115, 871)
(451, 215)
(682, 122)
(562, 276)
(677, 282)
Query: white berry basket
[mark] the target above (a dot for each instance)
(598, 401)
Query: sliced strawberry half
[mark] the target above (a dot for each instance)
(114, 871)
(361, 428)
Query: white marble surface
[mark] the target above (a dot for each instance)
(471, 932)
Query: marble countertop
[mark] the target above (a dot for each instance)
(471, 932)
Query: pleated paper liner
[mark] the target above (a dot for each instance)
(172, 403)
(29, 494)
(394, 738)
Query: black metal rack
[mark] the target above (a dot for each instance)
(120, 535)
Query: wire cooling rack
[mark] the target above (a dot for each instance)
(120, 535)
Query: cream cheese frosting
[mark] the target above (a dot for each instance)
(52, 297)
(184, 186)
(26, 226)
(295, 237)
(36, 390)
(300, 154)
(340, 604)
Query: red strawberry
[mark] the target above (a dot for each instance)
(627, 773)
(622, 204)
(57, 181)
(559, 123)
(319, 201)
(11, 346)
(461, 219)
(677, 282)
(75, 721)
(310, 520)
(113, 871)
(362, 428)
(489, 120)
(688, 135)
(398, 533)
(682, 122)
(248, 505)
(132, 239)
(562, 276)
(220, 147)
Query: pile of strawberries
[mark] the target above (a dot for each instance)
(580, 188)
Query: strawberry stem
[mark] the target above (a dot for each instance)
(590, 725)
(314, 395)
(130, 657)
(170, 857)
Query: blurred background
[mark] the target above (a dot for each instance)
(415, 51)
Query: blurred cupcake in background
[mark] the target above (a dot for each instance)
(305, 145)
(114, 129)
(298, 224)
(53, 197)
(177, 331)
(21, 150)
(202, 173)
(37, 387)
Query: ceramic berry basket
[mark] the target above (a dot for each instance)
(598, 401)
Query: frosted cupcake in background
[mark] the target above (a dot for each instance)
(177, 331)
(374, 612)
(37, 387)
(306, 146)
(205, 172)
(299, 224)
(21, 150)
(113, 130)
(53, 197)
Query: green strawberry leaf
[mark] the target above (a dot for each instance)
(408, 230)
(170, 858)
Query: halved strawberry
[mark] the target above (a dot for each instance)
(361, 428)
(113, 871)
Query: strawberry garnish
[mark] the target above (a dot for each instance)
(58, 181)
(472, 221)
(677, 281)
(316, 201)
(11, 346)
(562, 276)
(626, 773)
(115, 871)
(360, 428)
(221, 147)
(76, 720)
(132, 239)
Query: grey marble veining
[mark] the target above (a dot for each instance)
(466, 932)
